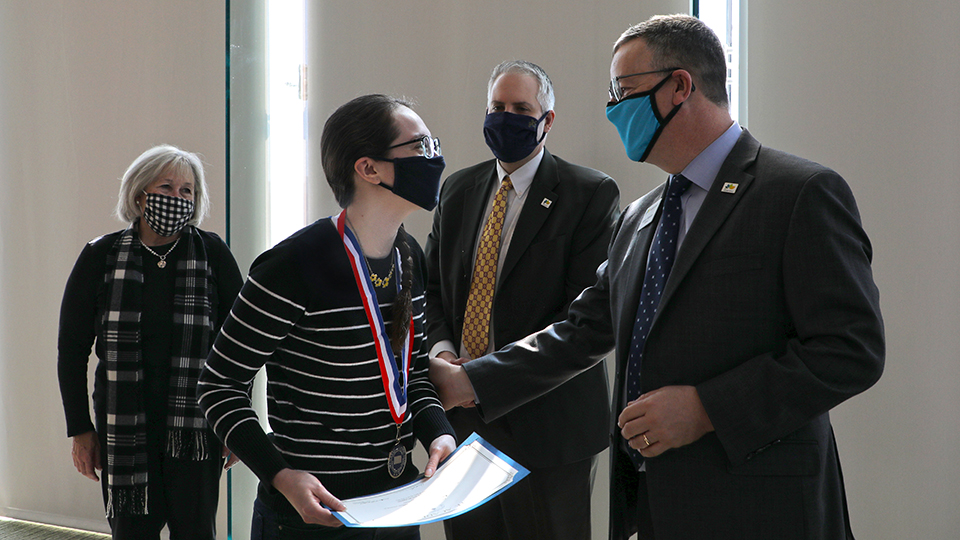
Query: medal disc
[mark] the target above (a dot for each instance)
(397, 460)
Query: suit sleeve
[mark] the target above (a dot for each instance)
(837, 349)
(535, 365)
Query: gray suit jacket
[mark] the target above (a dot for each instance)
(770, 311)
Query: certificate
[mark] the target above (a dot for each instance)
(473, 474)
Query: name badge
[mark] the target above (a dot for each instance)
(648, 216)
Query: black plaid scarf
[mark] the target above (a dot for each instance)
(193, 328)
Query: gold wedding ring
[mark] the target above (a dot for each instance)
(646, 441)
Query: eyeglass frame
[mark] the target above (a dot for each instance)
(615, 93)
(434, 147)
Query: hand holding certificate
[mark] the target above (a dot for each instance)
(475, 473)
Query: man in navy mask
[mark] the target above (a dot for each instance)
(740, 302)
(515, 239)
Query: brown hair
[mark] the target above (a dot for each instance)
(362, 127)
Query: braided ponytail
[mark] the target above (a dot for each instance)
(403, 305)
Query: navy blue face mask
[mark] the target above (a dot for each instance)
(510, 136)
(417, 179)
(639, 122)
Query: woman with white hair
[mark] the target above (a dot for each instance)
(151, 298)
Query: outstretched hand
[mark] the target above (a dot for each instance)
(308, 496)
(230, 459)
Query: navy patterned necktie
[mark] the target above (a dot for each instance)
(659, 262)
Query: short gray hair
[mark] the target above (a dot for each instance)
(685, 42)
(148, 167)
(544, 94)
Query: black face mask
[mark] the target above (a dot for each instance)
(417, 179)
(512, 137)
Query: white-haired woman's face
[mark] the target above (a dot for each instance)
(170, 182)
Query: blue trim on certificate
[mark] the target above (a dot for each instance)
(521, 473)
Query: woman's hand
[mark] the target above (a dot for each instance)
(308, 497)
(86, 454)
(231, 458)
(440, 448)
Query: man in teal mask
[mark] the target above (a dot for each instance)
(493, 281)
(740, 302)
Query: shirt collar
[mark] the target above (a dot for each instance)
(704, 168)
(522, 177)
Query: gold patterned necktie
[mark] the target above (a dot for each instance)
(476, 320)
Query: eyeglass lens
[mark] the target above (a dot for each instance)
(430, 147)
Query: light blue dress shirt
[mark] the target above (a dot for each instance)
(702, 171)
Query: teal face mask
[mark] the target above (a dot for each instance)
(638, 121)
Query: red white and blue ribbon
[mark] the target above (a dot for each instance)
(394, 377)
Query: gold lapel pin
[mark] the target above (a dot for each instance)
(729, 187)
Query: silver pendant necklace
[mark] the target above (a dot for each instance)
(162, 263)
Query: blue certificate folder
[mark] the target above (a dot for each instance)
(522, 472)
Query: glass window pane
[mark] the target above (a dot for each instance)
(723, 16)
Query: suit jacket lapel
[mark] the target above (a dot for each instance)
(714, 211)
(533, 214)
(474, 205)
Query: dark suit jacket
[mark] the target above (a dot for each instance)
(553, 255)
(770, 311)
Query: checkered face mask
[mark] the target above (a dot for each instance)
(167, 215)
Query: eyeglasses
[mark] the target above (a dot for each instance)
(616, 92)
(429, 146)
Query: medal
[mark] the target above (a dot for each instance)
(394, 374)
(397, 459)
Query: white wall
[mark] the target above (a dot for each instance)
(440, 54)
(85, 87)
(870, 89)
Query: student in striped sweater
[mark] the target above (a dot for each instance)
(335, 312)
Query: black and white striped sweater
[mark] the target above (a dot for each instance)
(300, 314)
